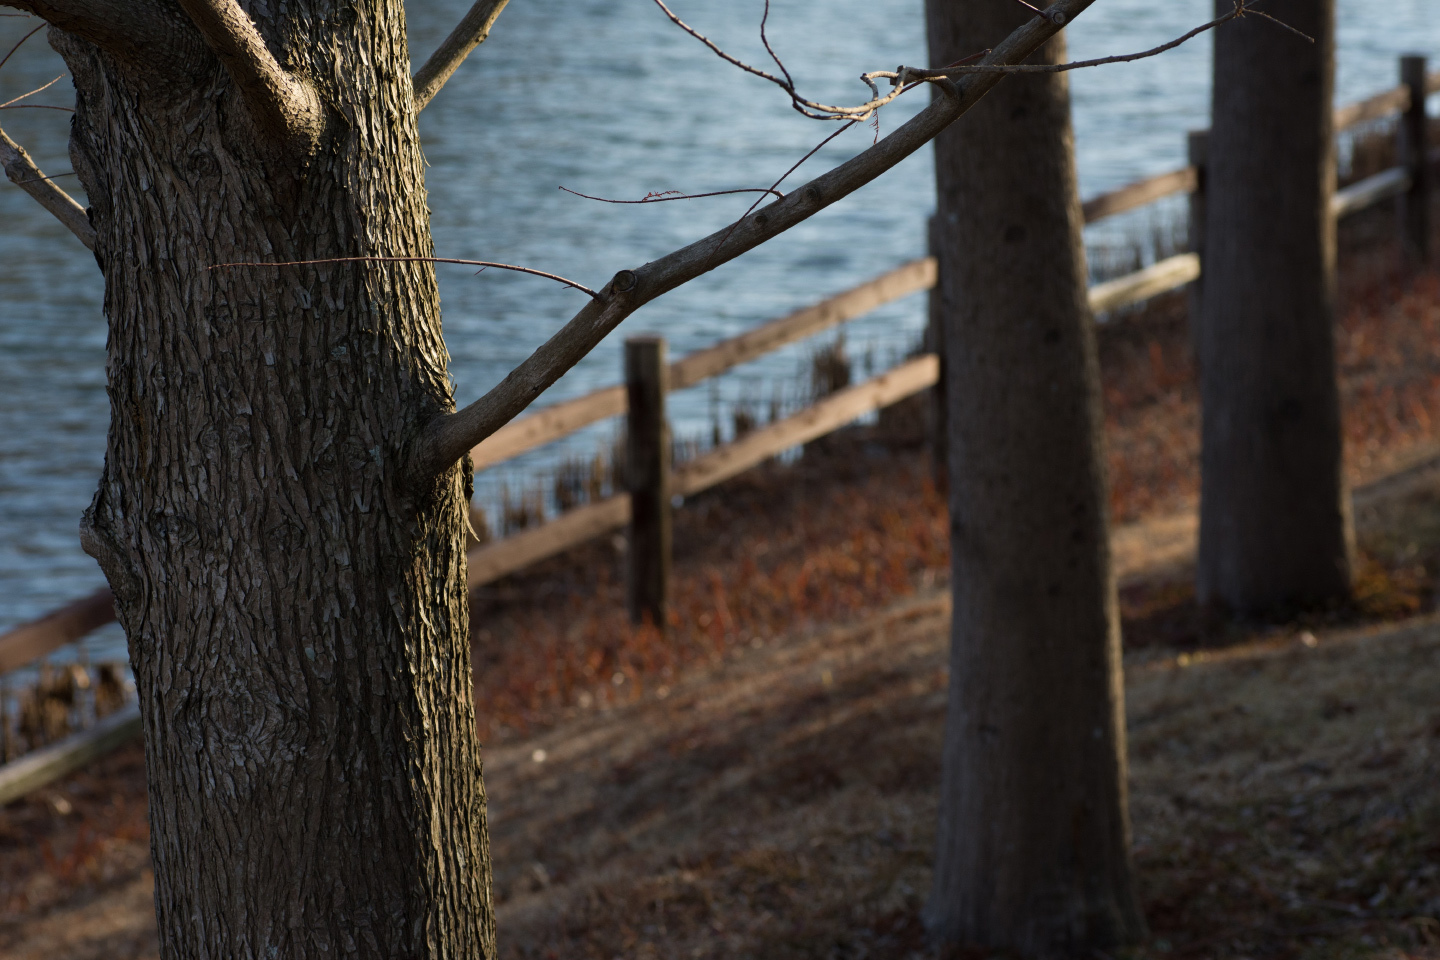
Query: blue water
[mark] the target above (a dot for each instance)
(605, 97)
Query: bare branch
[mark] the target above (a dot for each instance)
(284, 106)
(23, 173)
(472, 30)
(445, 440)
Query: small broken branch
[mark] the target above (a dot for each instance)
(472, 30)
(441, 443)
(283, 105)
(23, 173)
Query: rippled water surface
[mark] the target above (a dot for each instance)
(604, 97)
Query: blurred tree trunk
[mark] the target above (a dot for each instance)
(1033, 849)
(1275, 529)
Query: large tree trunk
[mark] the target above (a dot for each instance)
(1275, 528)
(296, 619)
(1033, 850)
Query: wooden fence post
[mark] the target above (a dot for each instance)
(935, 343)
(1197, 149)
(1412, 148)
(647, 474)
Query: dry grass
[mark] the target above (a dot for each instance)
(77, 840)
(1284, 804)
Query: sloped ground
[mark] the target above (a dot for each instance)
(782, 805)
(779, 802)
(1285, 803)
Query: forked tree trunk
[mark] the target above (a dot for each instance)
(296, 620)
(1275, 529)
(1033, 848)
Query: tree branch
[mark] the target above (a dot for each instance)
(445, 440)
(472, 30)
(23, 173)
(283, 105)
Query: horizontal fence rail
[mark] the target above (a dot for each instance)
(31, 641)
(39, 767)
(1370, 191)
(492, 561)
(1184, 180)
(563, 419)
(1139, 194)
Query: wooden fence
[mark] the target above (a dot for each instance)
(652, 378)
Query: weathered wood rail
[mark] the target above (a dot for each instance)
(1409, 182)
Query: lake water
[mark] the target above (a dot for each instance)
(605, 97)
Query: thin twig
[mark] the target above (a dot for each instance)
(765, 18)
(677, 195)
(1242, 8)
(906, 77)
(32, 92)
(774, 186)
(814, 150)
(18, 43)
(38, 106)
(810, 108)
(468, 263)
(21, 183)
(1273, 19)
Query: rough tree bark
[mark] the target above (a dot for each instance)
(1275, 530)
(297, 625)
(1033, 848)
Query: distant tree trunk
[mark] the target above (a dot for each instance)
(297, 620)
(1275, 529)
(1033, 848)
